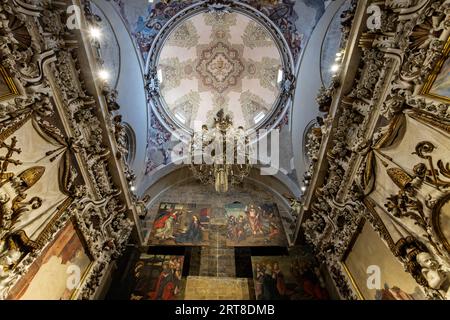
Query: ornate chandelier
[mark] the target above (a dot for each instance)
(220, 155)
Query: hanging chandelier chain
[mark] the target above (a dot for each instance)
(223, 153)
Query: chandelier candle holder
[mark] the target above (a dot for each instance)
(220, 155)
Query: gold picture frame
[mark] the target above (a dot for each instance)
(438, 73)
(8, 88)
(345, 255)
(352, 281)
(436, 223)
(87, 250)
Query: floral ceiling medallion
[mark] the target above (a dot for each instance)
(220, 66)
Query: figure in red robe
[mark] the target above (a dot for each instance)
(164, 226)
(254, 220)
(165, 285)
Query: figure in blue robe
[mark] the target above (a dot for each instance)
(193, 233)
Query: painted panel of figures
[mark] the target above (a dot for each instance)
(158, 277)
(287, 278)
(48, 277)
(180, 224)
(253, 225)
(370, 251)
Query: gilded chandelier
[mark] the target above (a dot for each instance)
(220, 156)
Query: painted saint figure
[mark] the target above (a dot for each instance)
(254, 219)
(158, 278)
(259, 281)
(231, 227)
(193, 233)
(164, 225)
(165, 285)
(240, 229)
(269, 285)
(279, 279)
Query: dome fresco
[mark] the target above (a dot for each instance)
(219, 61)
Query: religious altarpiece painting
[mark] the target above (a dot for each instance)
(49, 276)
(369, 253)
(254, 225)
(287, 278)
(158, 277)
(181, 224)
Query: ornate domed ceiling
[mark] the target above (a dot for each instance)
(214, 61)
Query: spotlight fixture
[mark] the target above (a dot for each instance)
(334, 68)
(160, 75)
(280, 75)
(95, 33)
(103, 75)
(303, 188)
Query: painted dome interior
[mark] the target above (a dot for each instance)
(214, 61)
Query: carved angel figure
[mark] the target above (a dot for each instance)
(436, 278)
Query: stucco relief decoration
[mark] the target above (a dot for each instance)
(145, 28)
(390, 175)
(48, 136)
(158, 145)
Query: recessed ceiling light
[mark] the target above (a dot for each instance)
(303, 189)
(160, 75)
(280, 76)
(95, 33)
(103, 75)
(334, 67)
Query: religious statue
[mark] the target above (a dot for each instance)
(8, 260)
(141, 207)
(295, 205)
(254, 220)
(436, 278)
(14, 203)
(121, 137)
